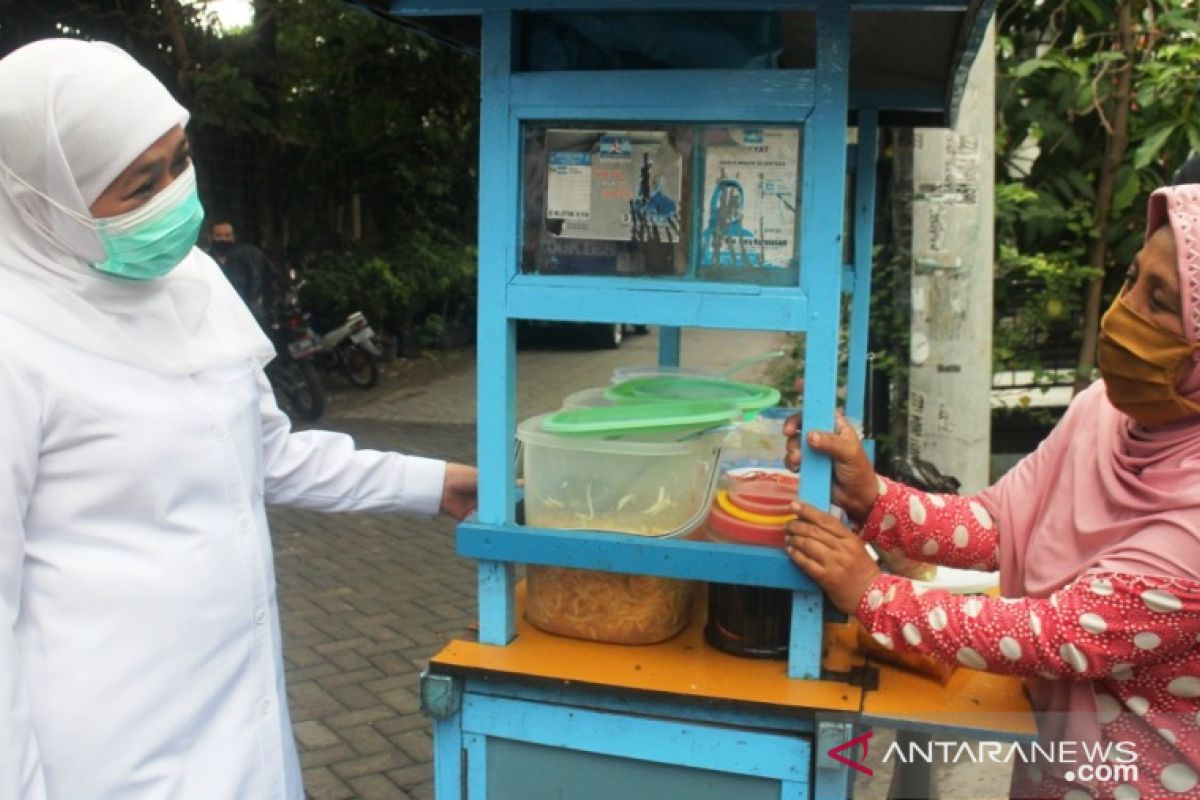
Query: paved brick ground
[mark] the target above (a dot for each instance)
(367, 598)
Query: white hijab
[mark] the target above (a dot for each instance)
(73, 116)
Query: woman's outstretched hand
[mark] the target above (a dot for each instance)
(831, 555)
(460, 492)
(855, 485)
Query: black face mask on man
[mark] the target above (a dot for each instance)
(221, 248)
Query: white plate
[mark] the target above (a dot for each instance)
(958, 581)
(962, 581)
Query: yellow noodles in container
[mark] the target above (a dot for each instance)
(606, 606)
(633, 485)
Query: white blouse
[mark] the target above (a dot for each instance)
(139, 633)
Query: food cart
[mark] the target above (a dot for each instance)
(681, 163)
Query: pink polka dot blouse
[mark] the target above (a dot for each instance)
(1135, 638)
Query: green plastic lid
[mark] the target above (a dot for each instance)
(679, 417)
(751, 398)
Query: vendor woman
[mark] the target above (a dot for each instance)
(1096, 536)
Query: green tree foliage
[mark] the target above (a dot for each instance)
(1096, 108)
(358, 139)
(367, 136)
(164, 35)
(361, 109)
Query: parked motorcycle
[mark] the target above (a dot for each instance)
(351, 349)
(292, 372)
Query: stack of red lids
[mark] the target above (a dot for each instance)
(756, 509)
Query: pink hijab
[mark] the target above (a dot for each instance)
(1104, 494)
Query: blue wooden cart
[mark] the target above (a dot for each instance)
(662, 93)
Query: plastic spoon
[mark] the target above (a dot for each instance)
(750, 362)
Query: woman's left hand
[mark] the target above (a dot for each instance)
(460, 492)
(831, 555)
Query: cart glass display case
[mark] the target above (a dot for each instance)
(705, 202)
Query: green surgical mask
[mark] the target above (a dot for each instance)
(153, 239)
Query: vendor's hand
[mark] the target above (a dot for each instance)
(855, 485)
(831, 555)
(460, 491)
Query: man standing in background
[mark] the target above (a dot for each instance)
(247, 268)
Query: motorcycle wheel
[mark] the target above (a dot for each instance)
(303, 395)
(359, 366)
(608, 337)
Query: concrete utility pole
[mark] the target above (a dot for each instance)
(949, 410)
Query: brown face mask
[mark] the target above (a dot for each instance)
(1140, 363)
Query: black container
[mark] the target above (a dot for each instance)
(749, 621)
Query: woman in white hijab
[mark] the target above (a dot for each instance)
(139, 633)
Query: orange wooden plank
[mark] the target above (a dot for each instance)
(970, 700)
(686, 666)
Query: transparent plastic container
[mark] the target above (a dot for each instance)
(758, 442)
(621, 374)
(627, 484)
(606, 606)
(660, 489)
(587, 398)
(751, 398)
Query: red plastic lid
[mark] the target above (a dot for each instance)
(743, 532)
(768, 497)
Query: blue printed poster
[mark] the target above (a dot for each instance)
(613, 185)
(749, 213)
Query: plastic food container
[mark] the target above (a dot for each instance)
(606, 606)
(662, 421)
(751, 621)
(750, 397)
(626, 485)
(621, 374)
(587, 398)
(758, 442)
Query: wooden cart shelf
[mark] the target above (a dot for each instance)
(685, 667)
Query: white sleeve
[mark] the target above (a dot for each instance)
(323, 471)
(21, 776)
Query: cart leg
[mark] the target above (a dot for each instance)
(668, 346)
(804, 648)
(497, 602)
(441, 700)
(911, 780)
(831, 778)
(448, 758)
(794, 790)
(475, 747)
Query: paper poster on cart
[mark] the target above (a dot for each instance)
(749, 198)
(569, 195)
(613, 185)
